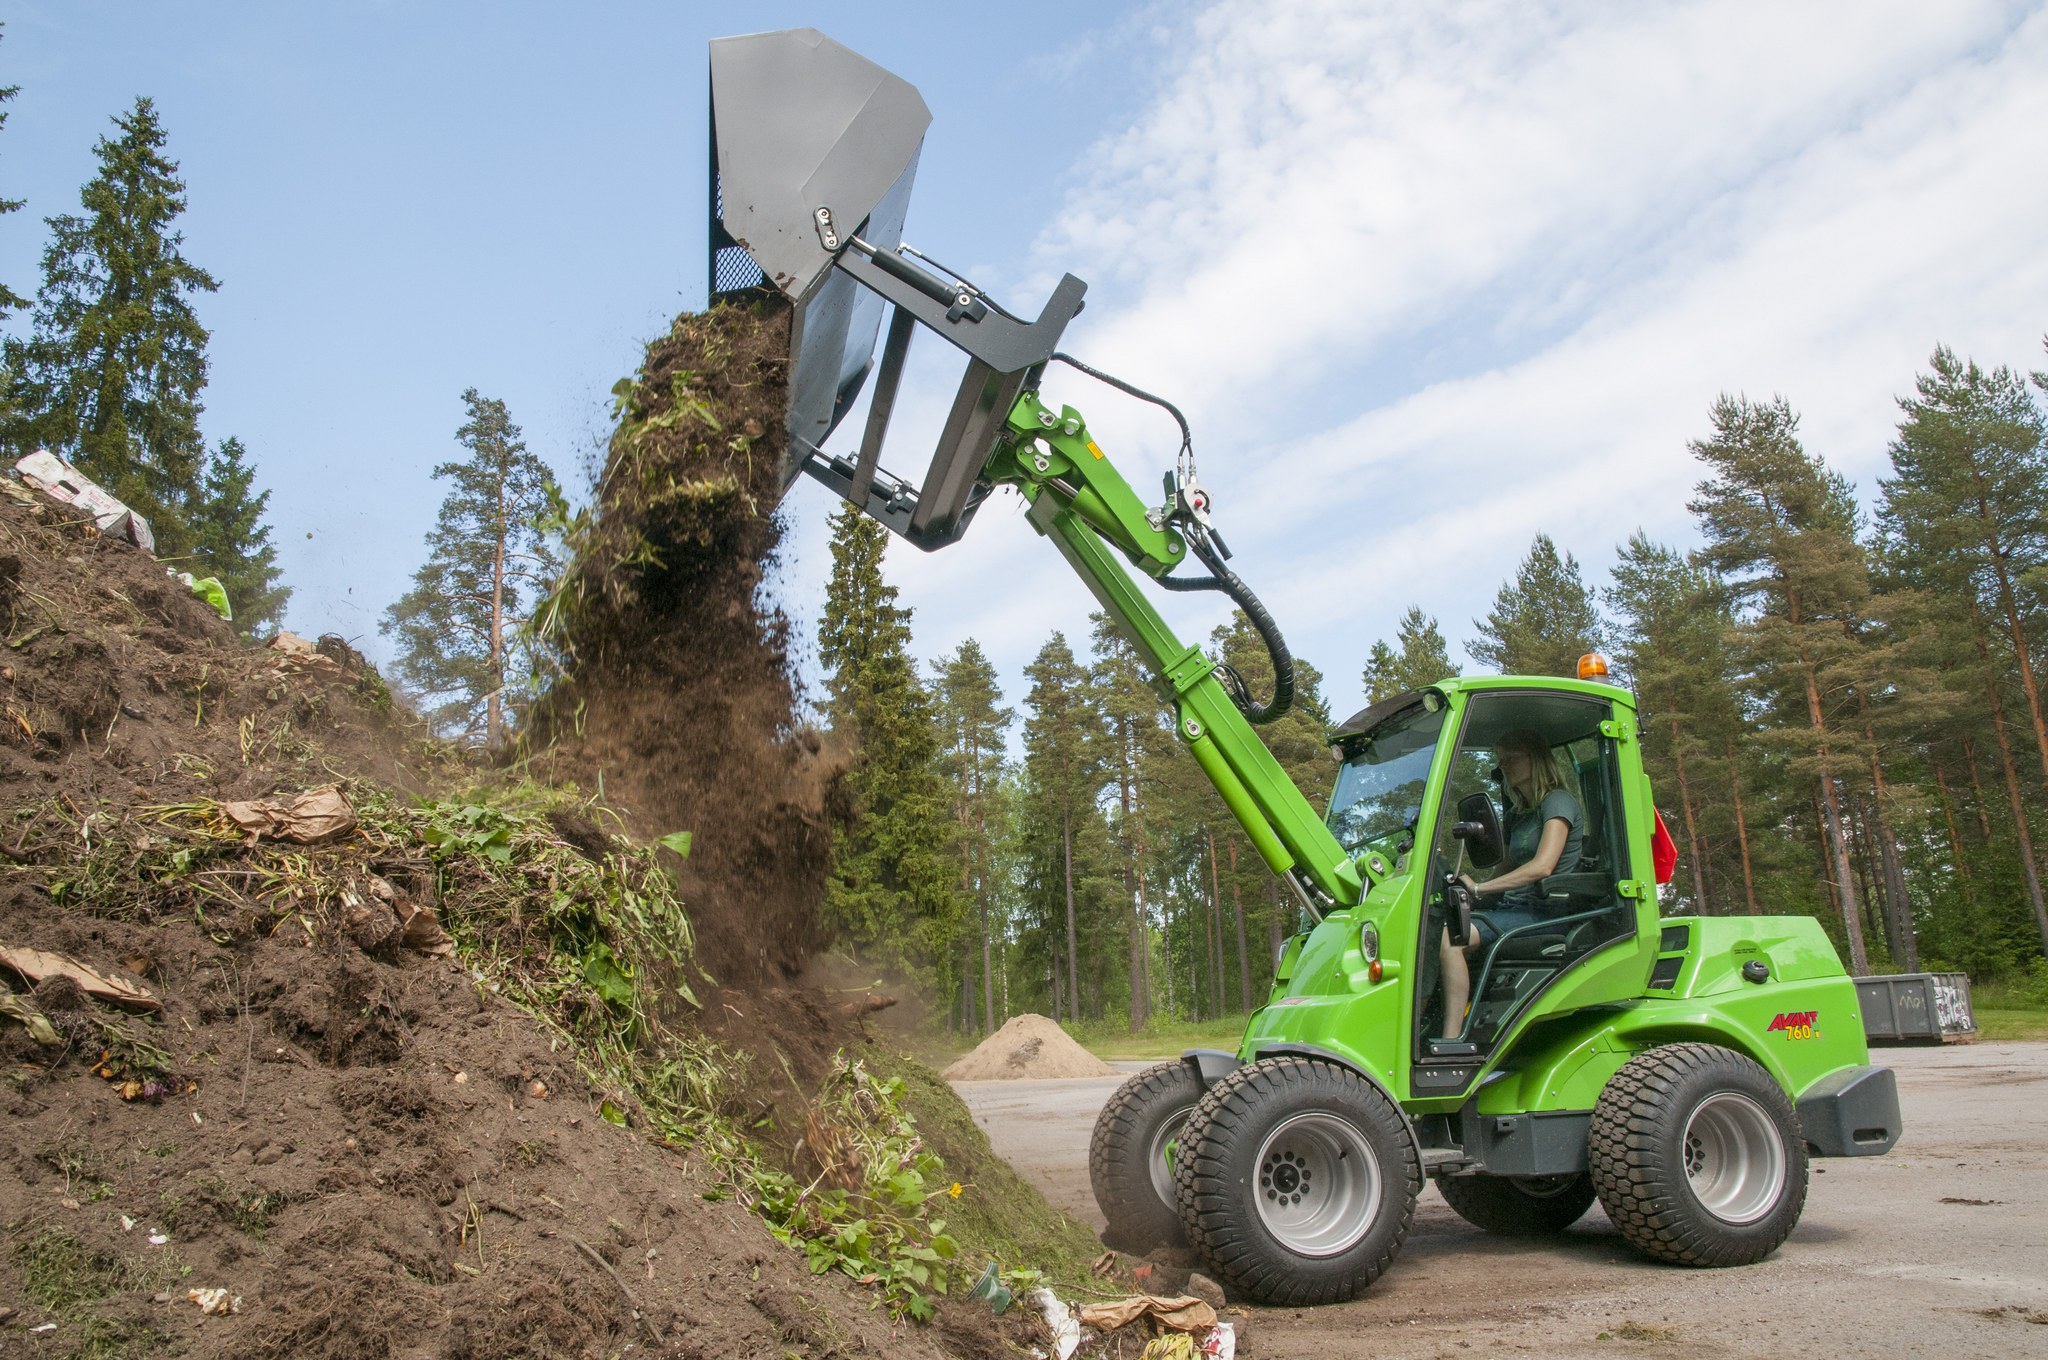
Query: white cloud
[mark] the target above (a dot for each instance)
(1430, 279)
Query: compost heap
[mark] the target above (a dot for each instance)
(268, 1090)
(1027, 1046)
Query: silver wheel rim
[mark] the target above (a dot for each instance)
(1734, 1158)
(1165, 1143)
(1318, 1187)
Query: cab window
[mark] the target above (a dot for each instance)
(1540, 759)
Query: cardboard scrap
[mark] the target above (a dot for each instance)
(297, 656)
(37, 964)
(60, 481)
(314, 816)
(1184, 1313)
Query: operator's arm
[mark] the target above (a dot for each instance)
(1540, 865)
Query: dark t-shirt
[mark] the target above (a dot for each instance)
(1525, 833)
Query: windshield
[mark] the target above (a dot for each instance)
(1379, 790)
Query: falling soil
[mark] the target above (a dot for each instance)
(1027, 1046)
(677, 697)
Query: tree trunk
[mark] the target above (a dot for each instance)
(1742, 832)
(1898, 905)
(1831, 826)
(1948, 817)
(2012, 790)
(1134, 889)
(2016, 631)
(1215, 922)
(1244, 958)
(1073, 937)
(1977, 788)
(494, 722)
(1692, 838)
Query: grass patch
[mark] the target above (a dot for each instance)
(2013, 1007)
(65, 1276)
(998, 1214)
(1110, 1039)
(2005, 1024)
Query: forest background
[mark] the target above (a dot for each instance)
(1841, 706)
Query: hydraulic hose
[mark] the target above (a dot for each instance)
(1221, 577)
(1224, 579)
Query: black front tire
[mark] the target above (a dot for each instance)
(1517, 1206)
(1297, 1181)
(1127, 1157)
(1697, 1157)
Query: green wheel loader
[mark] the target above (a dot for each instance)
(1580, 1046)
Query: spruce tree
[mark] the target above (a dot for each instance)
(1542, 621)
(457, 629)
(10, 301)
(892, 889)
(230, 540)
(111, 373)
(1423, 659)
(972, 725)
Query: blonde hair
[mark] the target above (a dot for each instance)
(1545, 776)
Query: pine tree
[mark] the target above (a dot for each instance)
(457, 628)
(972, 723)
(1423, 659)
(893, 889)
(1542, 621)
(1963, 520)
(111, 374)
(230, 540)
(10, 301)
(1780, 529)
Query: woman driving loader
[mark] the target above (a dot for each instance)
(1544, 833)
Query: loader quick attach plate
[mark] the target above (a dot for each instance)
(813, 146)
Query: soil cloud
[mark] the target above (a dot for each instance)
(1027, 1046)
(677, 698)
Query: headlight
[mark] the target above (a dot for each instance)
(1369, 945)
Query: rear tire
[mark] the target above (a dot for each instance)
(1697, 1157)
(1519, 1206)
(1129, 1157)
(1297, 1181)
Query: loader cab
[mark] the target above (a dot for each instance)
(1526, 941)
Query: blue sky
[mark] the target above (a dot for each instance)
(1428, 279)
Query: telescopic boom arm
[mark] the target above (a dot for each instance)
(813, 151)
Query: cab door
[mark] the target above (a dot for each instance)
(1568, 940)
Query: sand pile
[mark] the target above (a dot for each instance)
(1028, 1046)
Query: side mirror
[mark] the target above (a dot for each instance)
(1478, 826)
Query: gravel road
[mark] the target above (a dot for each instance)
(1939, 1249)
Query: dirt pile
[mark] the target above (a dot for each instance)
(1027, 1046)
(676, 695)
(363, 1143)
